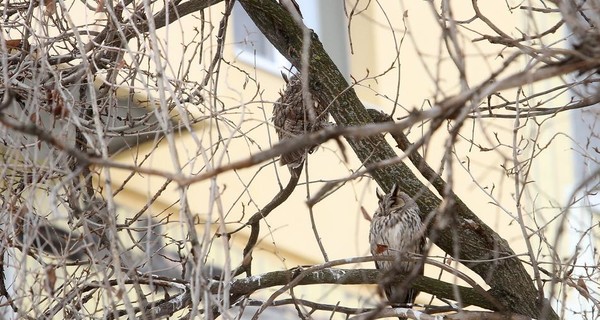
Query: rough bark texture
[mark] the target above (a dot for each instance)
(474, 240)
(245, 286)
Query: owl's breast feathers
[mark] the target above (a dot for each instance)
(395, 235)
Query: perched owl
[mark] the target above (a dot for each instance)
(396, 228)
(291, 118)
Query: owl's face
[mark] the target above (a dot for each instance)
(392, 202)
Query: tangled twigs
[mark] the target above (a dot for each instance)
(254, 221)
(417, 160)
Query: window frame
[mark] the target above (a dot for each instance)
(324, 17)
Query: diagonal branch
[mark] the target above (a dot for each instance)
(254, 221)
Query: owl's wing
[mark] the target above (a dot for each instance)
(421, 250)
(379, 265)
(378, 244)
(293, 128)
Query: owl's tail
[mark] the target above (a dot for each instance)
(400, 297)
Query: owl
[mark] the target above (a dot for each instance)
(291, 118)
(396, 228)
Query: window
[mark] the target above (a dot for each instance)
(326, 18)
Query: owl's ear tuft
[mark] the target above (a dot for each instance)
(285, 77)
(397, 200)
(379, 194)
(395, 190)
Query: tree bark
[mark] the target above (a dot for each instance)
(248, 285)
(466, 235)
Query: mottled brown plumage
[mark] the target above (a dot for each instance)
(396, 229)
(291, 118)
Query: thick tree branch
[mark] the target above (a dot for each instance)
(320, 275)
(414, 314)
(436, 287)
